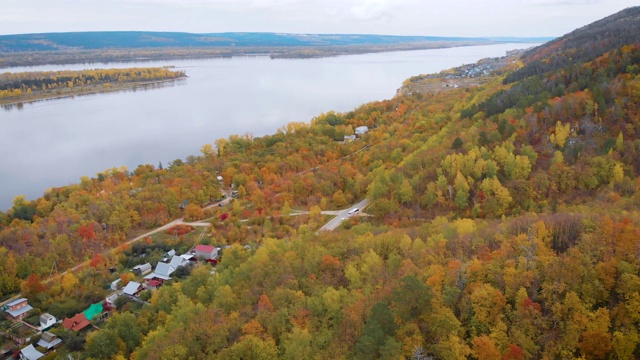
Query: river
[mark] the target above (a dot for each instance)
(54, 142)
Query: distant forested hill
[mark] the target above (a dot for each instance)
(581, 45)
(136, 39)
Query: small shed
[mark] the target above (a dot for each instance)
(46, 321)
(110, 300)
(49, 340)
(361, 130)
(115, 285)
(142, 269)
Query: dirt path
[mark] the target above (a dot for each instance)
(167, 226)
(331, 225)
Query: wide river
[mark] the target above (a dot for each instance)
(54, 142)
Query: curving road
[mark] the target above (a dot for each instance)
(342, 214)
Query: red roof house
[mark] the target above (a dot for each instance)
(206, 252)
(76, 323)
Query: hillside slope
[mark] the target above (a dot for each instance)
(582, 45)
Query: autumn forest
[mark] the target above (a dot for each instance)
(503, 223)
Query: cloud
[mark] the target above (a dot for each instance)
(236, 5)
(400, 17)
(374, 9)
(563, 2)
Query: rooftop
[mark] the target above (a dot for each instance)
(16, 302)
(164, 269)
(20, 311)
(30, 353)
(131, 288)
(143, 267)
(48, 340)
(76, 323)
(177, 261)
(154, 283)
(205, 248)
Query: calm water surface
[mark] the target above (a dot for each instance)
(54, 142)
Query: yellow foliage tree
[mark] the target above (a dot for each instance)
(69, 282)
(193, 212)
(559, 138)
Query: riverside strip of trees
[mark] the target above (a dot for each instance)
(33, 85)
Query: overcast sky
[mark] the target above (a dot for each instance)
(398, 17)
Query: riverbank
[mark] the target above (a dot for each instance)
(21, 87)
(8, 104)
(61, 57)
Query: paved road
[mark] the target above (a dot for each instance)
(343, 214)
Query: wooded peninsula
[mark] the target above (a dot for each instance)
(29, 86)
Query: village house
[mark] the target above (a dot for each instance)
(18, 309)
(30, 353)
(162, 273)
(142, 269)
(206, 252)
(46, 321)
(169, 254)
(115, 285)
(177, 261)
(49, 340)
(132, 289)
(76, 323)
(361, 130)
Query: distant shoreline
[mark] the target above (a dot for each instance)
(68, 57)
